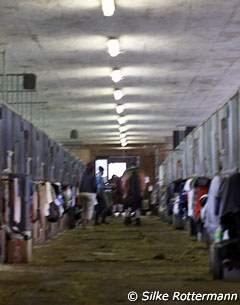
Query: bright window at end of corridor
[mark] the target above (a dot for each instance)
(117, 168)
(104, 164)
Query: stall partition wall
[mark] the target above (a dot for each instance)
(234, 132)
(15, 134)
(189, 154)
(3, 218)
(29, 155)
(211, 147)
(26, 149)
(207, 151)
(214, 144)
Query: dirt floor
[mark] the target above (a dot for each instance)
(104, 264)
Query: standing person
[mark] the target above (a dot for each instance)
(88, 189)
(133, 184)
(101, 207)
(115, 183)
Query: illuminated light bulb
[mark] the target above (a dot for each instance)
(122, 128)
(116, 75)
(118, 94)
(124, 144)
(113, 47)
(121, 120)
(119, 108)
(108, 7)
(122, 135)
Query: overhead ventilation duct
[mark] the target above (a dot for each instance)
(29, 81)
(74, 134)
(179, 135)
(189, 129)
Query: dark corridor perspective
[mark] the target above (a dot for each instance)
(113, 264)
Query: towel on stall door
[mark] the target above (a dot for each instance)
(52, 210)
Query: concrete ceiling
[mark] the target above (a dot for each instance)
(180, 60)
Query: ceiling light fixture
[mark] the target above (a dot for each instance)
(113, 47)
(118, 94)
(108, 7)
(123, 135)
(121, 120)
(116, 75)
(124, 142)
(119, 108)
(122, 128)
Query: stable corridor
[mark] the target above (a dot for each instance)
(103, 264)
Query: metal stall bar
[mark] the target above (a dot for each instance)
(190, 162)
(184, 159)
(201, 167)
(8, 139)
(238, 101)
(18, 90)
(223, 129)
(215, 144)
(1, 139)
(233, 133)
(207, 157)
(196, 151)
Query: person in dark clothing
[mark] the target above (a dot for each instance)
(101, 207)
(133, 185)
(117, 206)
(88, 189)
